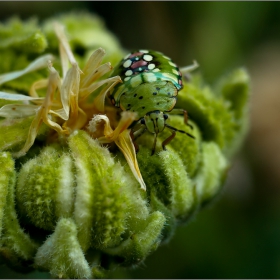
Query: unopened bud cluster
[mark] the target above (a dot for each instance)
(72, 206)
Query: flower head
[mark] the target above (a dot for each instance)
(79, 200)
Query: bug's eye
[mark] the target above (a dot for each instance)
(165, 116)
(142, 121)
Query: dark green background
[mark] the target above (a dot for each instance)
(238, 235)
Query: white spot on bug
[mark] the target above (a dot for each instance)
(136, 58)
(127, 63)
(150, 77)
(151, 66)
(128, 73)
(172, 64)
(143, 51)
(147, 57)
(175, 71)
(127, 79)
(156, 70)
(140, 69)
(136, 81)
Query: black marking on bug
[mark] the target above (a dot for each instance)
(154, 93)
(135, 95)
(141, 97)
(143, 107)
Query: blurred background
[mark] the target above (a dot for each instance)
(238, 236)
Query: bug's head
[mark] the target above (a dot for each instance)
(154, 121)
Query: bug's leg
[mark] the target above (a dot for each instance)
(136, 134)
(167, 140)
(181, 131)
(139, 132)
(154, 145)
(181, 112)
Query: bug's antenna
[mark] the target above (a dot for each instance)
(182, 131)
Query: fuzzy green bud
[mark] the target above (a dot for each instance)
(61, 253)
(78, 199)
(51, 196)
(15, 245)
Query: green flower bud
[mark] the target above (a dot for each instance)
(210, 176)
(20, 43)
(222, 116)
(61, 253)
(24, 38)
(15, 245)
(51, 195)
(101, 198)
(80, 201)
(143, 240)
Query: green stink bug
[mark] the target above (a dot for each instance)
(151, 82)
